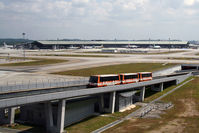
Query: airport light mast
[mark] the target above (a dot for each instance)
(24, 54)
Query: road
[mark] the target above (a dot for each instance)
(33, 73)
(85, 62)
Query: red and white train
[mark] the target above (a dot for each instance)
(117, 79)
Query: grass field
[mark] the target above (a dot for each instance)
(141, 53)
(74, 55)
(34, 62)
(28, 128)
(93, 123)
(90, 124)
(182, 58)
(182, 118)
(151, 95)
(115, 69)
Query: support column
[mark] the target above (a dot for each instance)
(142, 93)
(11, 115)
(112, 102)
(2, 116)
(61, 116)
(177, 82)
(153, 88)
(161, 86)
(101, 103)
(49, 117)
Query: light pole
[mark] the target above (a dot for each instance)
(24, 54)
(23, 34)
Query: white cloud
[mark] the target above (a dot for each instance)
(62, 4)
(190, 11)
(131, 4)
(99, 13)
(80, 1)
(36, 8)
(78, 12)
(189, 2)
(1, 6)
(171, 11)
(86, 14)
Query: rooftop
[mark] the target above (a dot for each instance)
(47, 42)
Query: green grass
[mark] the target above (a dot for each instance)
(74, 55)
(115, 69)
(34, 62)
(184, 92)
(171, 52)
(172, 117)
(182, 58)
(26, 128)
(90, 124)
(96, 122)
(139, 53)
(152, 95)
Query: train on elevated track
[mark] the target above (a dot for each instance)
(117, 79)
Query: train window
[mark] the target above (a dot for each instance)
(93, 79)
(130, 76)
(121, 77)
(111, 78)
(103, 79)
(188, 67)
(116, 78)
(146, 75)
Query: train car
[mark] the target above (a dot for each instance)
(104, 80)
(127, 78)
(189, 67)
(145, 76)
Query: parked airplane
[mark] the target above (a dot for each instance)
(87, 47)
(72, 47)
(98, 47)
(7, 46)
(155, 46)
(131, 46)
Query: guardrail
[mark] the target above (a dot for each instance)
(39, 84)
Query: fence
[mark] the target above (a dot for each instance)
(39, 84)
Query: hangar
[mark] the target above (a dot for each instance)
(107, 44)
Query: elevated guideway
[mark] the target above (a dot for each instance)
(54, 99)
(17, 98)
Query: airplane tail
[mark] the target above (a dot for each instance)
(5, 45)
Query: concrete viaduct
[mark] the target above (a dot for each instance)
(55, 122)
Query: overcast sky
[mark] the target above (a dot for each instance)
(100, 19)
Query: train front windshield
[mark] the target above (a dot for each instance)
(93, 79)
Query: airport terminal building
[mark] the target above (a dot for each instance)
(106, 44)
